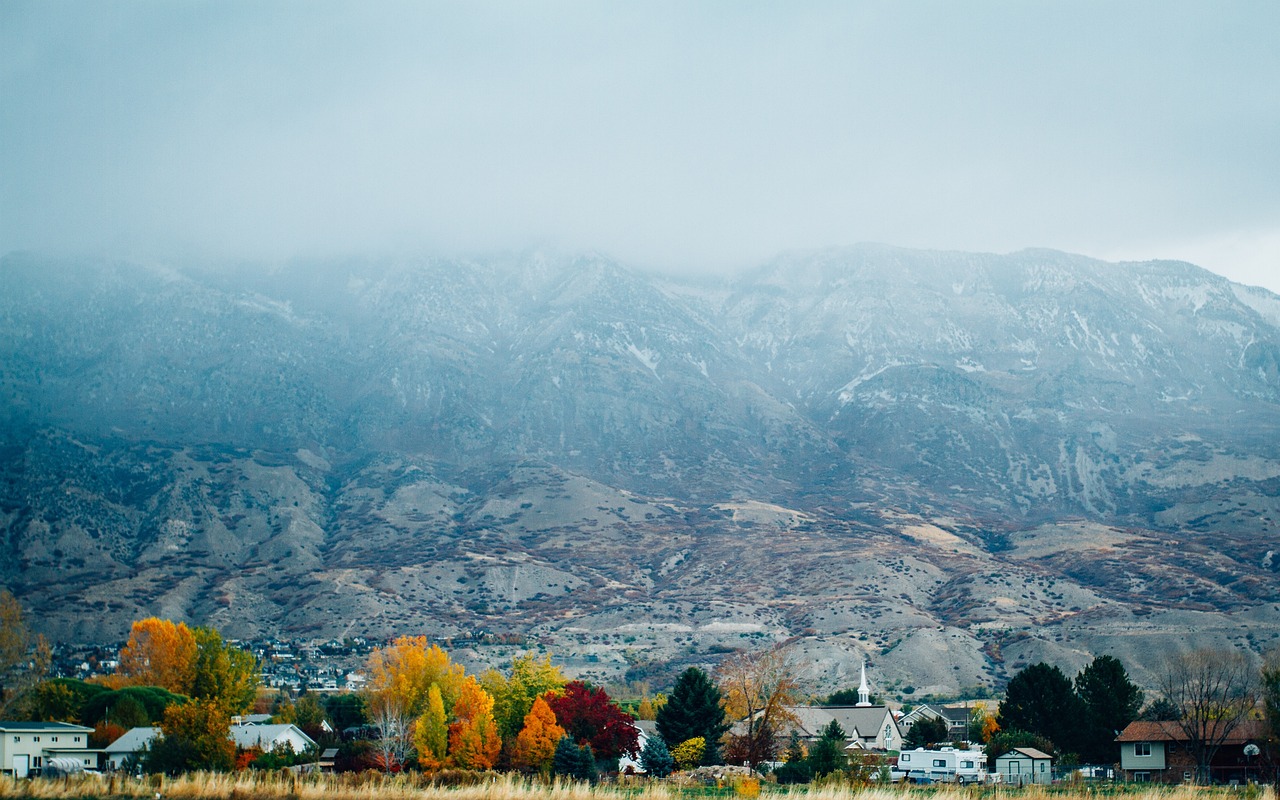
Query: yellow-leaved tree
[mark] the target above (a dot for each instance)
(159, 653)
(513, 694)
(537, 740)
(474, 742)
(431, 732)
(400, 679)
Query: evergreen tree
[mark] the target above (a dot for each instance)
(1007, 740)
(796, 766)
(827, 754)
(1041, 700)
(925, 732)
(1111, 701)
(572, 761)
(656, 759)
(693, 710)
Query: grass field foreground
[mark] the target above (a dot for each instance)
(373, 786)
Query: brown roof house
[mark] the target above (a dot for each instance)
(1163, 752)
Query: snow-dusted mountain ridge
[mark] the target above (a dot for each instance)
(906, 442)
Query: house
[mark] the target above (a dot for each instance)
(129, 747)
(1161, 752)
(1023, 765)
(26, 746)
(957, 719)
(271, 737)
(645, 728)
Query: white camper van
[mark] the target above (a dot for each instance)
(945, 765)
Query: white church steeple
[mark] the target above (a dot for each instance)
(864, 694)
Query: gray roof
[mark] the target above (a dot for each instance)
(263, 735)
(1028, 752)
(44, 727)
(811, 720)
(133, 740)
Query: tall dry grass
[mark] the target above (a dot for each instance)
(374, 786)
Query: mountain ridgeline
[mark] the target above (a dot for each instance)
(952, 463)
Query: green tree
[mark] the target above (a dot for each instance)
(309, 715)
(1111, 701)
(1041, 700)
(693, 710)
(1160, 710)
(573, 761)
(153, 700)
(195, 738)
(925, 732)
(431, 732)
(346, 710)
(827, 755)
(62, 699)
(656, 759)
(513, 694)
(223, 673)
(1271, 692)
(795, 768)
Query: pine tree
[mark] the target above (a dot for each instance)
(693, 710)
(827, 755)
(1041, 700)
(1111, 701)
(656, 759)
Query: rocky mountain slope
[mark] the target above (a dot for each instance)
(951, 463)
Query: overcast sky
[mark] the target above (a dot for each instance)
(678, 136)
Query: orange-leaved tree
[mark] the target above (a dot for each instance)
(474, 742)
(158, 653)
(400, 680)
(537, 740)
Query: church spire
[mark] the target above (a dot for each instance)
(864, 694)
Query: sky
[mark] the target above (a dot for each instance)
(681, 136)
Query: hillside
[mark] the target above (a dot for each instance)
(953, 463)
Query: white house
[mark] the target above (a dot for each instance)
(271, 737)
(644, 729)
(1023, 765)
(25, 746)
(130, 745)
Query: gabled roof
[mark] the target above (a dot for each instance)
(133, 740)
(44, 727)
(1028, 752)
(1166, 731)
(247, 736)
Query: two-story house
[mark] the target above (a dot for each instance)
(1163, 752)
(26, 746)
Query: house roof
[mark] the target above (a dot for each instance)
(133, 740)
(44, 727)
(1166, 731)
(1028, 752)
(952, 715)
(865, 720)
(264, 735)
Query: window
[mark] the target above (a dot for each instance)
(76, 739)
(17, 738)
(35, 738)
(1142, 777)
(35, 762)
(966, 764)
(939, 762)
(53, 738)
(1142, 748)
(901, 757)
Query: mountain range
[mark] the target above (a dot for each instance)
(950, 464)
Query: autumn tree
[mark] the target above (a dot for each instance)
(982, 726)
(474, 742)
(400, 679)
(690, 753)
(536, 743)
(1110, 702)
(513, 694)
(431, 732)
(195, 737)
(24, 658)
(160, 653)
(1214, 692)
(757, 689)
(693, 710)
(589, 716)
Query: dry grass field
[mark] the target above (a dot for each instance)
(371, 786)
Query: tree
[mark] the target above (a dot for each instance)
(474, 742)
(1110, 702)
(982, 726)
(827, 755)
(690, 753)
(693, 711)
(431, 732)
(1214, 692)
(656, 759)
(138, 705)
(159, 653)
(223, 673)
(194, 737)
(24, 659)
(1160, 710)
(795, 768)
(574, 761)
(925, 732)
(1041, 700)
(1271, 692)
(514, 693)
(62, 699)
(346, 710)
(536, 742)
(400, 679)
(757, 688)
(590, 717)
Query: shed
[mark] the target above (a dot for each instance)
(1023, 765)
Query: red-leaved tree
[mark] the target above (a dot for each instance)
(590, 717)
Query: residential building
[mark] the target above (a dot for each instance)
(129, 746)
(271, 737)
(25, 746)
(1162, 752)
